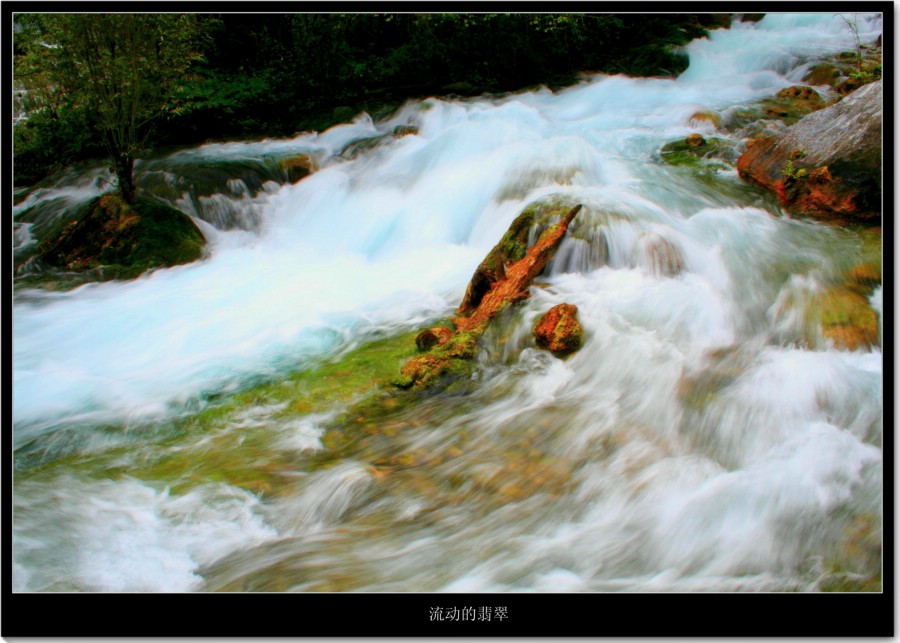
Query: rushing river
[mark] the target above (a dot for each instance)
(701, 440)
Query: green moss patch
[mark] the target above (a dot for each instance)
(237, 439)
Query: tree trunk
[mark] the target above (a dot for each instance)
(125, 175)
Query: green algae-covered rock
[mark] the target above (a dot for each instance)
(693, 151)
(124, 239)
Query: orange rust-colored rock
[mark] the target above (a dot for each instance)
(518, 277)
(800, 91)
(558, 330)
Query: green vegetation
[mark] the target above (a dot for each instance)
(854, 28)
(791, 171)
(107, 81)
(849, 70)
(114, 72)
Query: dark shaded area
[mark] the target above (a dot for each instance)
(278, 74)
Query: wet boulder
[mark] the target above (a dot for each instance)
(706, 117)
(558, 330)
(825, 73)
(776, 112)
(432, 337)
(828, 163)
(362, 145)
(297, 167)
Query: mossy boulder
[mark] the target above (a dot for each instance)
(848, 70)
(845, 319)
(788, 106)
(694, 151)
(558, 330)
(126, 239)
(502, 279)
(451, 359)
(823, 74)
(170, 178)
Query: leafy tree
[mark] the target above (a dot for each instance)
(123, 68)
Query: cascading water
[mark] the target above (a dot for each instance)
(695, 442)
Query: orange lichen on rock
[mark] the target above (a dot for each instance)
(558, 330)
(514, 287)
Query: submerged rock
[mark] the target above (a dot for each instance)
(663, 258)
(558, 330)
(361, 145)
(828, 163)
(125, 239)
(297, 167)
(846, 319)
(704, 117)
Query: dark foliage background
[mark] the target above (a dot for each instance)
(278, 74)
